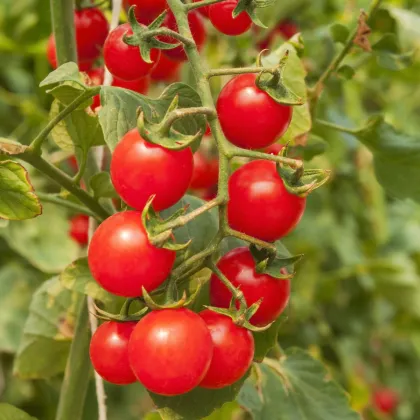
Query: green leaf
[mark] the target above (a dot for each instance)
(196, 404)
(17, 198)
(339, 32)
(8, 412)
(79, 130)
(68, 72)
(200, 230)
(43, 241)
(266, 340)
(250, 7)
(118, 113)
(17, 284)
(296, 387)
(67, 92)
(396, 158)
(388, 53)
(346, 72)
(77, 277)
(101, 185)
(48, 332)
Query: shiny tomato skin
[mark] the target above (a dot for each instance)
(206, 171)
(122, 260)
(140, 169)
(385, 400)
(238, 266)
(147, 10)
(232, 354)
(109, 352)
(170, 351)
(52, 58)
(166, 70)
(124, 61)
(260, 204)
(249, 117)
(79, 229)
(198, 31)
(220, 15)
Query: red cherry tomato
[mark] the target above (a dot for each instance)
(109, 352)
(122, 260)
(166, 70)
(73, 163)
(285, 28)
(140, 169)
(203, 10)
(198, 31)
(274, 149)
(385, 400)
(238, 266)
(220, 15)
(124, 61)
(233, 351)
(260, 204)
(147, 10)
(249, 117)
(170, 351)
(79, 228)
(206, 171)
(52, 58)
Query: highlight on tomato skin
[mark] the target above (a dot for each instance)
(109, 352)
(170, 351)
(238, 266)
(122, 259)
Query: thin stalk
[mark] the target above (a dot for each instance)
(170, 33)
(78, 369)
(240, 70)
(250, 239)
(184, 112)
(203, 3)
(54, 199)
(65, 181)
(337, 127)
(39, 139)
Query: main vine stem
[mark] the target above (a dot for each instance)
(76, 377)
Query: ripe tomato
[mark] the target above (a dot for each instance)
(166, 70)
(79, 228)
(147, 10)
(260, 204)
(109, 352)
(220, 15)
(124, 61)
(52, 58)
(198, 31)
(206, 171)
(274, 149)
(122, 259)
(170, 351)
(140, 169)
(238, 266)
(203, 10)
(233, 351)
(385, 400)
(249, 117)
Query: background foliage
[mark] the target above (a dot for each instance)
(356, 297)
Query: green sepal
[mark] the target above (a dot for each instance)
(170, 302)
(250, 7)
(274, 83)
(163, 133)
(145, 43)
(106, 316)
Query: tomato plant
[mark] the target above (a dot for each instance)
(122, 259)
(161, 205)
(109, 352)
(170, 351)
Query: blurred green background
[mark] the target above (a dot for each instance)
(356, 295)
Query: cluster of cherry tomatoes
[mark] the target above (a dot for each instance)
(121, 257)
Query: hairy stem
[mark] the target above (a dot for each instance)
(55, 199)
(240, 70)
(203, 3)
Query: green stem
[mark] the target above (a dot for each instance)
(76, 377)
(54, 199)
(203, 3)
(250, 239)
(328, 124)
(39, 139)
(184, 112)
(65, 181)
(170, 33)
(240, 70)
